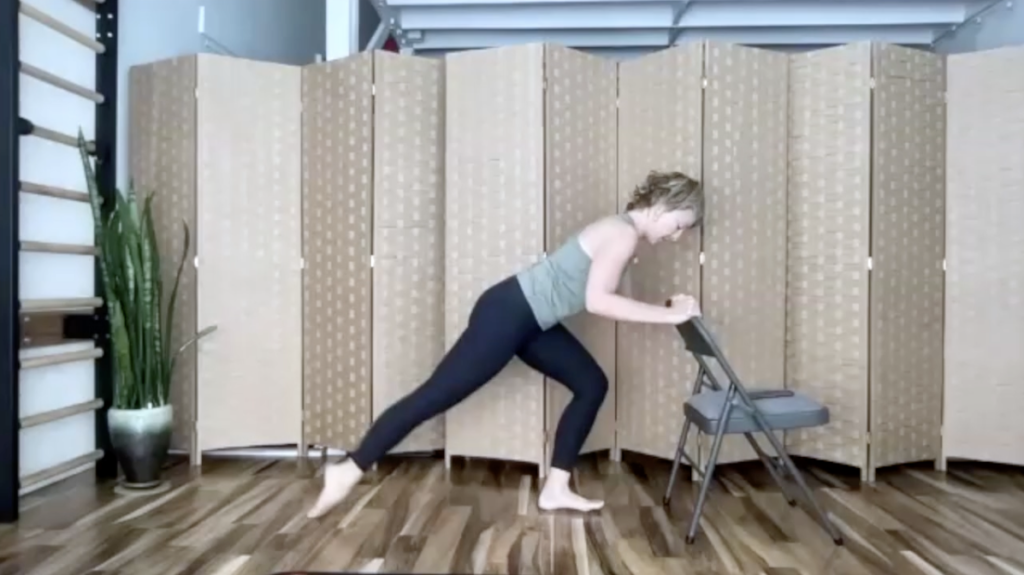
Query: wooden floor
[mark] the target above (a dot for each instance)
(247, 517)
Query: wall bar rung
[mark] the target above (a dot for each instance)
(89, 4)
(54, 248)
(57, 81)
(62, 413)
(60, 27)
(59, 469)
(54, 136)
(54, 192)
(60, 358)
(65, 304)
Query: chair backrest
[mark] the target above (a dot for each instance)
(698, 340)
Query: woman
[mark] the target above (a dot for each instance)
(521, 315)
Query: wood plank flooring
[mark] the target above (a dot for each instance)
(411, 516)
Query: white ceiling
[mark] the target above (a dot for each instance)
(642, 25)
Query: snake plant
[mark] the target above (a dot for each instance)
(141, 321)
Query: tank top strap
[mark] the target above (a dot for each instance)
(628, 220)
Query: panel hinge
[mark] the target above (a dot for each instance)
(871, 83)
(373, 89)
(196, 93)
(701, 258)
(943, 264)
(371, 260)
(870, 263)
(704, 82)
(867, 438)
(302, 263)
(616, 103)
(195, 262)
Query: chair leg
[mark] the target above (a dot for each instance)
(677, 462)
(772, 469)
(802, 484)
(709, 472)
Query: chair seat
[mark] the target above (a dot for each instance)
(780, 413)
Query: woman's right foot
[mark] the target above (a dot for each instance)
(556, 494)
(339, 479)
(552, 500)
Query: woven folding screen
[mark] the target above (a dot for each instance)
(865, 251)
(828, 241)
(337, 188)
(907, 251)
(372, 238)
(162, 159)
(494, 226)
(660, 124)
(984, 366)
(408, 234)
(743, 279)
(247, 280)
(580, 140)
(511, 198)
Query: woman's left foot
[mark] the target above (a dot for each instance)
(554, 499)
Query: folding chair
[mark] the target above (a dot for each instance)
(745, 412)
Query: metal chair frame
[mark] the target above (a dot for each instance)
(700, 343)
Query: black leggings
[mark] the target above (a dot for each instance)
(501, 326)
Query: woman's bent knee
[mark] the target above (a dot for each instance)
(594, 389)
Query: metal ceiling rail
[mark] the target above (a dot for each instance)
(426, 25)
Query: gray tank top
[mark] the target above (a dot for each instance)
(556, 287)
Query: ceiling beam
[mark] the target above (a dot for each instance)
(671, 15)
(467, 39)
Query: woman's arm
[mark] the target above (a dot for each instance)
(607, 265)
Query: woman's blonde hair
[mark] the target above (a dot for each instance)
(672, 190)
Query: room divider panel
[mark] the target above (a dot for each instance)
(829, 246)
(907, 252)
(530, 160)
(247, 277)
(580, 151)
(373, 242)
(408, 214)
(984, 366)
(743, 278)
(866, 195)
(337, 235)
(494, 226)
(162, 157)
(660, 128)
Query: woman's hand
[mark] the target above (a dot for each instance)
(686, 307)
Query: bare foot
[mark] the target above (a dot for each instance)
(557, 494)
(551, 500)
(339, 479)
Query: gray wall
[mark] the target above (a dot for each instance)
(1002, 25)
(286, 31)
